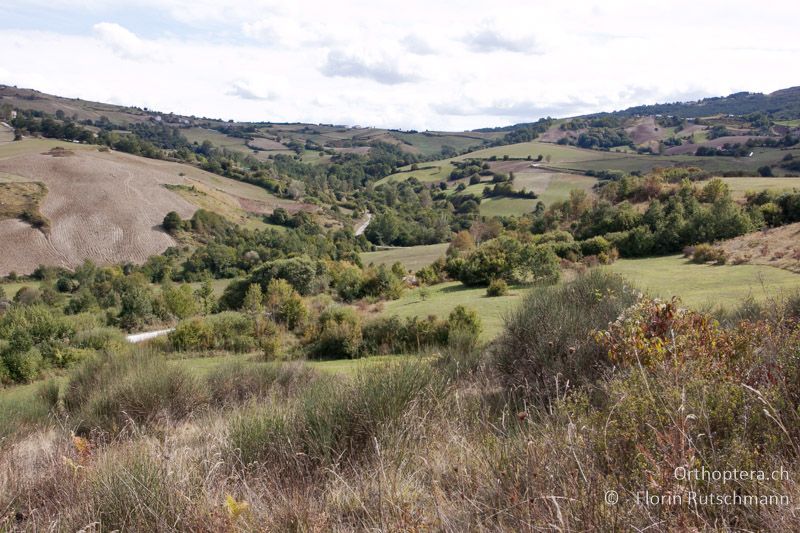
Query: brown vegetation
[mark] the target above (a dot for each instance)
(778, 247)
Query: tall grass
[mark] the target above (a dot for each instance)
(116, 391)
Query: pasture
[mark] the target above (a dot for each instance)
(441, 299)
(412, 257)
(705, 286)
(741, 186)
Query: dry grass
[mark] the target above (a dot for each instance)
(22, 201)
(778, 247)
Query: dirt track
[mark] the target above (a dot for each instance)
(106, 207)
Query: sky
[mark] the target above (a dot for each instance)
(416, 64)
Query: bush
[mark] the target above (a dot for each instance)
(337, 334)
(497, 287)
(194, 334)
(105, 338)
(705, 253)
(229, 331)
(464, 320)
(285, 304)
(547, 344)
(388, 335)
(595, 246)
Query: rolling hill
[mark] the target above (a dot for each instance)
(108, 206)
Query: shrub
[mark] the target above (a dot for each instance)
(230, 331)
(285, 304)
(497, 287)
(705, 253)
(337, 334)
(386, 335)
(103, 338)
(194, 334)
(300, 272)
(465, 321)
(179, 300)
(172, 222)
(547, 345)
(595, 246)
(337, 422)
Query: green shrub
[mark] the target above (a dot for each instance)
(547, 343)
(595, 246)
(102, 338)
(387, 335)
(337, 334)
(465, 321)
(705, 253)
(285, 304)
(497, 287)
(229, 331)
(194, 334)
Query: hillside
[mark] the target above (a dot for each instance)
(782, 104)
(108, 206)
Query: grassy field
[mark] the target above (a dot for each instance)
(740, 186)
(202, 366)
(444, 297)
(701, 286)
(430, 143)
(560, 185)
(432, 172)
(11, 288)
(412, 257)
(498, 207)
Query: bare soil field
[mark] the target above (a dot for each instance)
(106, 207)
(778, 247)
(645, 132)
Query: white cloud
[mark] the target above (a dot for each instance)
(490, 39)
(385, 71)
(123, 42)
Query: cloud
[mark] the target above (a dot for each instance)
(521, 110)
(340, 64)
(247, 91)
(417, 45)
(280, 31)
(123, 42)
(490, 39)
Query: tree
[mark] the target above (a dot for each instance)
(172, 222)
(205, 294)
(253, 299)
(180, 301)
(765, 171)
